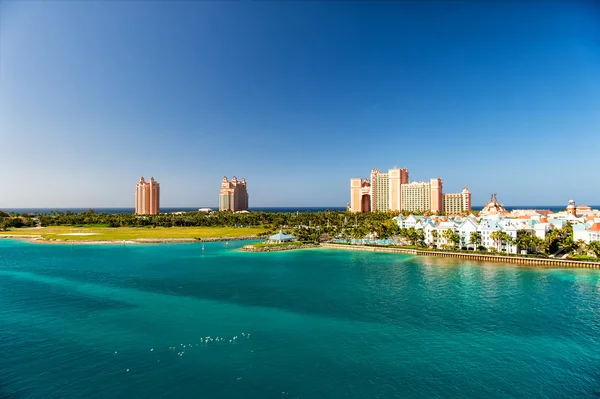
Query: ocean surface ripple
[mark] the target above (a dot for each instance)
(169, 320)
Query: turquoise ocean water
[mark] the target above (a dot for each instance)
(116, 321)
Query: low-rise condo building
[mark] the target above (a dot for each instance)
(147, 197)
(496, 219)
(234, 195)
(573, 211)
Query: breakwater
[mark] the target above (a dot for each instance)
(519, 260)
(252, 248)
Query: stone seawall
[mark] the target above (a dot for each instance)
(519, 260)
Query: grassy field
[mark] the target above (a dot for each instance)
(99, 233)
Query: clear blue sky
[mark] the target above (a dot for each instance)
(297, 97)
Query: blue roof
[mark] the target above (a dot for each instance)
(581, 226)
(281, 236)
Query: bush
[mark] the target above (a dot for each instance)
(584, 258)
(14, 222)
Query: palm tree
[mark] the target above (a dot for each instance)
(539, 245)
(475, 239)
(451, 237)
(506, 239)
(524, 240)
(594, 247)
(448, 236)
(500, 237)
(434, 235)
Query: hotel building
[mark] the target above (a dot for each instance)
(416, 196)
(147, 197)
(391, 191)
(234, 195)
(457, 202)
(360, 195)
(385, 189)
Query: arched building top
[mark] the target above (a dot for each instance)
(493, 207)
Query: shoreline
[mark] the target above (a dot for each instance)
(546, 263)
(41, 240)
(251, 248)
(533, 262)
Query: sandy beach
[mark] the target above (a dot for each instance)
(42, 240)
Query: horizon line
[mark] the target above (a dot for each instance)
(254, 207)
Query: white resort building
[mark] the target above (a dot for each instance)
(494, 217)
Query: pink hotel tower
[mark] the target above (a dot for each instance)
(233, 195)
(147, 197)
(391, 191)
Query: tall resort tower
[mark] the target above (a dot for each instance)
(234, 195)
(147, 197)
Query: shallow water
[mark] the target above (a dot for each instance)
(114, 321)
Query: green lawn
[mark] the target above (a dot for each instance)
(100, 233)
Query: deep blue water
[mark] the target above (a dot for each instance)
(170, 209)
(554, 208)
(114, 321)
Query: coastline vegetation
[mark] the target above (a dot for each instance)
(196, 219)
(308, 227)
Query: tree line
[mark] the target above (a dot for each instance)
(307, 226)
(325, 219)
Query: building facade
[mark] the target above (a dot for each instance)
(458, 202)
(423, 196)
(437, 197)
(383, 191)
(392, 191)
(380, 188)
(493, 208)
(397, 177)
(416, 196)
(360, 195)
(147, 197)
(234, 195)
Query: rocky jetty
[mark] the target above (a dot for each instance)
(276, 248)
